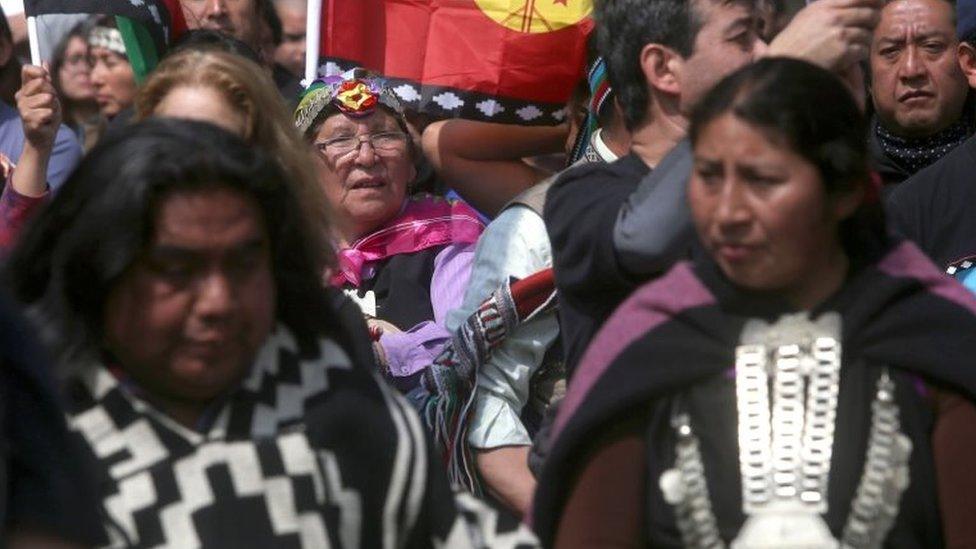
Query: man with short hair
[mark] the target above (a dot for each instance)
(935, 206)
(238, 18)
(663, 56)
(290, 53)
(917, 87)
(253, 22)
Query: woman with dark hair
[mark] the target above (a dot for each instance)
(405, 257)
(71, 76)
(222, 391)
(834, 361)
(111, 72)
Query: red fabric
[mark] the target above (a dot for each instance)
(177, 23)
(532, 291)
(15, 211)
(453, 43)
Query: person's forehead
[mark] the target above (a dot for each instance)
(102, 53)
(931, 15)
(722, 13)
(218, 214)
(730, 132)
(292, 17)
(379, 118)
(243, 6)
(76, 43)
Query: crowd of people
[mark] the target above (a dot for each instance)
(729, 302)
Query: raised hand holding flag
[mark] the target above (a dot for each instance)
(148, 27)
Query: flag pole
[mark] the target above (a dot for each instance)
(313, 34)
(35, 44)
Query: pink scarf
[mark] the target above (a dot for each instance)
(426, 221)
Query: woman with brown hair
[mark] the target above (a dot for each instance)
(236, 94)
(71, 76)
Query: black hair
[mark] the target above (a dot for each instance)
(81, 31)
(624, 27)
(213, 40)
(73, 254)
(269, 14)
(814, 113)
(5, 33)
(106, 21)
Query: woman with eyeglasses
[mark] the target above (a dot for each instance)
(71, 75)
(405, 258)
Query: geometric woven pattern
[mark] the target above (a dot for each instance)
(310, 451)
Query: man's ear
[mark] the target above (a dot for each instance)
(967, 62)
(662, 68)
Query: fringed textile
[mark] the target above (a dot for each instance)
(447, 389)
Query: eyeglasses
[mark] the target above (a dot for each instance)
(78, 61)
(340, 148)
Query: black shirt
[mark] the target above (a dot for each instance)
(889, 169)
(580, 213)
(935, 207)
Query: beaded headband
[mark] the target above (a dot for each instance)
(108, 38)
(354, 93)
(600, 91)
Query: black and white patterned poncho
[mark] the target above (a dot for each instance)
(311, 451)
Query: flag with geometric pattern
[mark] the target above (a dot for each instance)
(511, 61)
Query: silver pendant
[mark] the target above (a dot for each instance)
(785, 524)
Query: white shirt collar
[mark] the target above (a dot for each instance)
(601, 148)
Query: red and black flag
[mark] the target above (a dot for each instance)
(148, 27)
(512, 61)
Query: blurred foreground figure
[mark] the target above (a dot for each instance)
(49, 498)
(224, 392)
(833, 361)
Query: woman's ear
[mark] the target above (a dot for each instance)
(662, 68)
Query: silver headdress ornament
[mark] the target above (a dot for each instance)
(108, 38)
(787, 378)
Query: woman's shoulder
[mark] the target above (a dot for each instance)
(629, 360)
(649, 306)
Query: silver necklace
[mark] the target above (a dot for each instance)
(787, 382)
